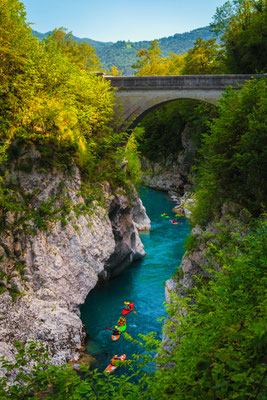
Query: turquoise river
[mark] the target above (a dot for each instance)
(142, 283)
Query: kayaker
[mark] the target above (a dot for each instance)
(127, 306)
(113, 360)
(122, 321)
(115, 331)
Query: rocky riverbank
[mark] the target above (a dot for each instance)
(174, 174)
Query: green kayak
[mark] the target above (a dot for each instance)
(122, 328)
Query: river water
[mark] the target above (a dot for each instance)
(142, 283)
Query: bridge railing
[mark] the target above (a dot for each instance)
(179, 81)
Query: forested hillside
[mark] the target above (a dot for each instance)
(122, 54)
(96, 44)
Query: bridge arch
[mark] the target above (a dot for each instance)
(135, 119)
(137, 94)
(135, 108)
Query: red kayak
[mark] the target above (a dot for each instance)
(124, 312)
(111, 367)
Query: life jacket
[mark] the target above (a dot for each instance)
(114, 359)
(122, 321)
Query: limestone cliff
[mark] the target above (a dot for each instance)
(60, 265)
(173, 174)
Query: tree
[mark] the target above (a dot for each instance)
(203, 58)
(233, 163)
(82, 54)
(49, 96)
(149, 61)
(174, 63)
(243, 25)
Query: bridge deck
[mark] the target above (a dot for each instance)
(179, 81)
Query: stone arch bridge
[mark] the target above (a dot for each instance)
(139, 94)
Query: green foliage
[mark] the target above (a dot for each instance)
(132, 154)
(244, 27)
(123, 56)
(233, 163)
(219, 337)
(192, 242)
(81, 54)
(49, 98)
(241, 48)
(218, 334)
(164, 125)
(45, 381)
(51, 105)
(149, 62)
(203, 59)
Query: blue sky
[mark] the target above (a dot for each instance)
(121, 20)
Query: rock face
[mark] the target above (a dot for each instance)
(142, 222)
(171, 174)
(63, 263)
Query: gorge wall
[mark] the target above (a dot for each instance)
(174, 173)
(52, 270)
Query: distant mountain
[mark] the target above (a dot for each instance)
(123, 54)
(93, 43)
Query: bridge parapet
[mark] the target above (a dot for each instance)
(217, 82)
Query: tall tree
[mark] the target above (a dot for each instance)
(82, 54)
(243, 24)
(150, 61)
(203, 58)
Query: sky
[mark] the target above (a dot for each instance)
(115, 20)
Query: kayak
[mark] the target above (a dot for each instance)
(122, 328)
(111, 367)
(115, 337)
(124, 312)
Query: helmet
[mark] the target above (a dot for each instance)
(116, 327)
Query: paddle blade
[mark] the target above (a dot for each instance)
(108, 329)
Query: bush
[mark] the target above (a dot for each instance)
(220, 337)
(233, 163)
